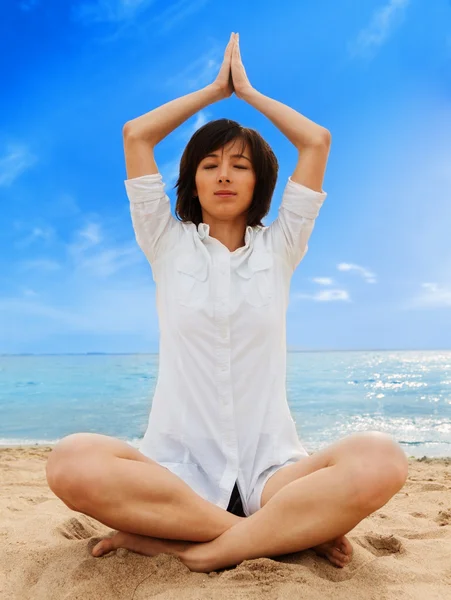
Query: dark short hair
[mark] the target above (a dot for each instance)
(211, 137)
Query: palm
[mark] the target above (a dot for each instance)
(232, 76)
(240, 81)
(224, 79)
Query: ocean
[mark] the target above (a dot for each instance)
(407, 394)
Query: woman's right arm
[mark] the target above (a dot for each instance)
(155, 227)
(142, 134)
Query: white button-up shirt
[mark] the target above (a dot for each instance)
(220, 413)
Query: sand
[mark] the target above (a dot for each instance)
(402, 551)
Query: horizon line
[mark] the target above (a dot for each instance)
(288, 352)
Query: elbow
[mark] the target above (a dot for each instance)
(126, 129)
(325, 137)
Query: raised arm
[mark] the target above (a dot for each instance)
(155, 227)
(154, 126)
(312, 140)
(303, 195)
(142, 134)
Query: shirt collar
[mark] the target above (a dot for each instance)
(203, 229)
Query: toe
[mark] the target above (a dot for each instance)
(347, 548)
(103, 547)
(337, 556)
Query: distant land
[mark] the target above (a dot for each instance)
(291, 350)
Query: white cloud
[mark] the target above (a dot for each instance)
(176, 12)
(91, 233)
(109, 11)
(86, 238)
(37, 233)
(186, 132)
(110, 261)
(90, 254)
(16, 161)
(170, 170)
(336, 295)
(29, 293)
(135, 17)
(323, 280)
(366, 274)
(39, 264)
(432, 296)
(102, 291)
(66, 205)
(22, 307)
(200, 72)
(382, 23)
(122, 308)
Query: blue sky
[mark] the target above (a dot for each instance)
(377, 74)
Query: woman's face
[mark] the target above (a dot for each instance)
(227, 171)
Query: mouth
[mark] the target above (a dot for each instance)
(222, 195)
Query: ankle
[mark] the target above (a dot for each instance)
(196, 557)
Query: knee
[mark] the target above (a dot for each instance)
(382, 467)
(65, 463)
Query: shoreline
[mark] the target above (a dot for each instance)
(446, 460)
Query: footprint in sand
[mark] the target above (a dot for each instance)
(77, 528)
(383, 545)
(35, 499)
(433, 487)
(443, 517)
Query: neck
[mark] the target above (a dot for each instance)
(230, 234)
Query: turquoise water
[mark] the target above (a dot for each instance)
(331, 394)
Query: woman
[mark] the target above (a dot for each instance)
(221, 475)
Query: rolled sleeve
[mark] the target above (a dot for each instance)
(302, 200)
(293, 227)
(153, 223)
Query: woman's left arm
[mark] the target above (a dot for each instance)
(312, 141)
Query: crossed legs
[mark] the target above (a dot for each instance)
(318, 499)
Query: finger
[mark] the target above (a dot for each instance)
(236, 56)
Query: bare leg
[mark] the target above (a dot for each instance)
(115, 484)
(303, 514)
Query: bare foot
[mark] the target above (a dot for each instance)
(331, 551)
(141, 544)
(150, 546)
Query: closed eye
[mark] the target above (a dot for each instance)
(213, 166)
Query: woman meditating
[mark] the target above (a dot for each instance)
(221, 475)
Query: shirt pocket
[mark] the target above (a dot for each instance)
(192, 281)
(256, 278)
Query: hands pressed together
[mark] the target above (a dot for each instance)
(232, 75)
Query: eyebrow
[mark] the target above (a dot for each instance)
(233, 156)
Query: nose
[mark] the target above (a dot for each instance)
(222, 178)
